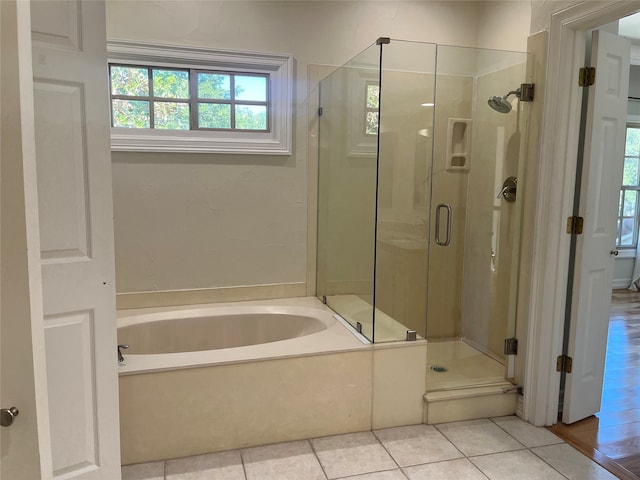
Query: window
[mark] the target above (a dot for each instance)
(372, 109)
(181, 99)
(187, 99)
(629, 212)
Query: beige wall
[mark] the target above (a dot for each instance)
(207, 221)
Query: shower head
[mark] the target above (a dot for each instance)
(501, 104)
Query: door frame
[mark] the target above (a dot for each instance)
(556, 177)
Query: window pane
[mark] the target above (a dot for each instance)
(632, 146)
(630, 175)
(373, 96)
(211, 85)
(372, 123)
(213, 115)
(171, 115)
(630, 199)
(130, 113)
(130, 81)
(251, 117)
(251, 88)
(628, 225)
(170, 83)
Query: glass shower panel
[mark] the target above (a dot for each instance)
(407, 89)
(473, 280)
(347, 189)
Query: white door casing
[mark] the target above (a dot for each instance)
(76, 236)
(601, 182)
(26, 452)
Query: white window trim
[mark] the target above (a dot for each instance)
(277, 141)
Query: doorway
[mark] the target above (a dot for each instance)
(559, 148)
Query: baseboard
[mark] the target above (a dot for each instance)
(621, 283)
(168, 298)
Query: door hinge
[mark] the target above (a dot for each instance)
(575, 225)
(564, 363)
(511, 346)
(587, 76)
(320, 111)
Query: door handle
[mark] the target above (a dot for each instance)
(447, 240)
(7, 415)
(614, 253)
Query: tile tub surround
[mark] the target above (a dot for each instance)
(512, 449)
(195, 409)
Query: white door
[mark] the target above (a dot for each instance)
(601, 181)
(76, 235)
(25, 451)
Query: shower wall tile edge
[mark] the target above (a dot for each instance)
(168, 298)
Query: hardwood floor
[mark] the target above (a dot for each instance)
(612, 437)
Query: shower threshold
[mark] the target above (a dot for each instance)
(464, 383)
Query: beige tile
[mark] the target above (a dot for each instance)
(521, 465)
(417, 444)
(387, 475)
(221, 466)
(291, 460)
(571, 463)
(352, 454)
(526, 433)
(144, 471)
(452, 469)
(398, 385)
(479, 437)
(262, 403)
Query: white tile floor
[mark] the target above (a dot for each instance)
(495, 449)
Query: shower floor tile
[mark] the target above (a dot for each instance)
(463, 366)
(478, 449)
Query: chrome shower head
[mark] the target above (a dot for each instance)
(501, 104)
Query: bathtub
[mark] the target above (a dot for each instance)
(218, 377)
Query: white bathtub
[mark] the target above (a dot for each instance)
(217, 377)
(175, 338)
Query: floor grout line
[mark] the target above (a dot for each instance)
(397, 467)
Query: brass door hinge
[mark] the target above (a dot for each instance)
(511, 346)
(587, 76)
(564, 363)
(575, 225)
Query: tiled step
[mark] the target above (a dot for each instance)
(469, 403)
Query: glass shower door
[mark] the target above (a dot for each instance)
(347, 175)
(478, 169)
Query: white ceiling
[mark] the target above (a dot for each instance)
(630, 27)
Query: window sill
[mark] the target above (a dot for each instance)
(626, 253)
(124, 140)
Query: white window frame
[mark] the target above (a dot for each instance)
(630, 124)
(277, 141)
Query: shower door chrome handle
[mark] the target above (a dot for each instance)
(447, 240)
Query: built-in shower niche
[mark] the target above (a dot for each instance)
(458, 144)
(440, 148)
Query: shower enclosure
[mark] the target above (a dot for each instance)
(421, 169)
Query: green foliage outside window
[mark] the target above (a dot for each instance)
(171, 101)
(372, 105)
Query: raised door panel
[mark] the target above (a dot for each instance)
(62, 172)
